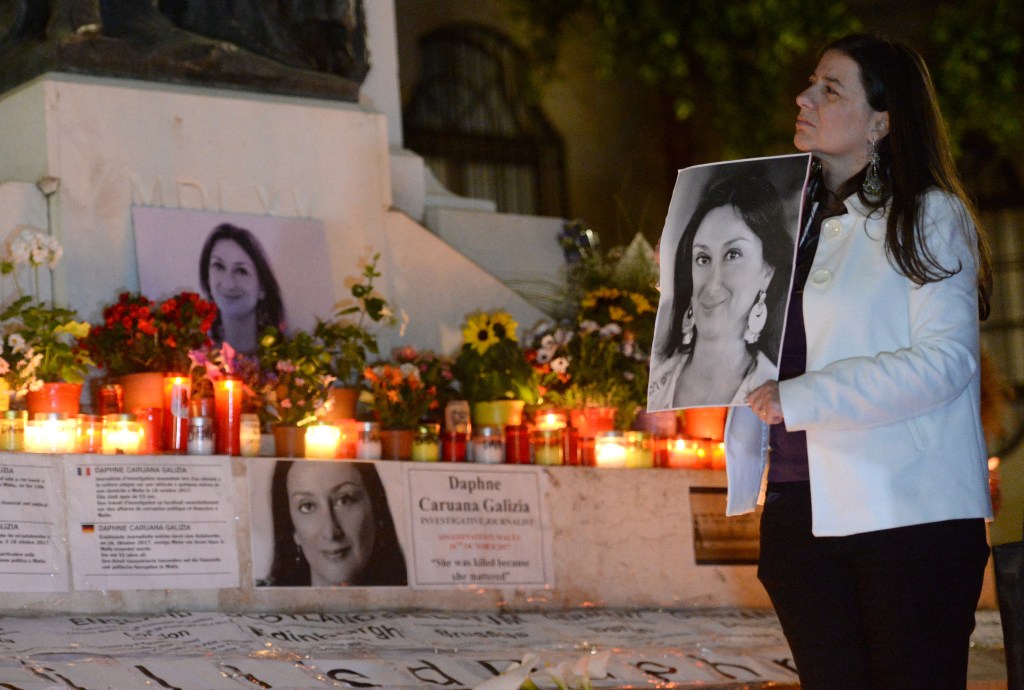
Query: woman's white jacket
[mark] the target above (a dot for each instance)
(890, 398)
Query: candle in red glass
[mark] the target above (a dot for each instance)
(571, 443)
(453, 446)
(177, 390)
(517, 444)
(151, 422)
(227, 402)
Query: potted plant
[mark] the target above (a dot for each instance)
(139, 341)
(42, 360)
(351, 340)
(294, 380)
(492, 370)
(400, 399)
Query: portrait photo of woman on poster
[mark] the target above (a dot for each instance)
(726, 268)
(332, 527)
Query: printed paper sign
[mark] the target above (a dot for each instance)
(33, 556)
(156, 524)
(478, 528)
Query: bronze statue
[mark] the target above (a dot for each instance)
(295, 47)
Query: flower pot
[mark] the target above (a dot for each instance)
(342, 404)
(590, 421)
(499, 413)
(141, 390)
(289, 441)
(706, 422)
(57, 397)
(396, 444)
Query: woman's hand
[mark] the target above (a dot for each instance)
(766, 403)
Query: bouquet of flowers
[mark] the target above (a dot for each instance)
(295, 377)
(436, 372)
(491, 365)
(400, 397)
(138, 334)
(39, 342)
(210, 364)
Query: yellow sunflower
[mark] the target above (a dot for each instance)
(503, 326)
(478, 333)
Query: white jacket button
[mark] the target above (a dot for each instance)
(832, 228)
(821, 276)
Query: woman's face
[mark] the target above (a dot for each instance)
(234, 283)
(728, 271)
(333, 519)
(835, 122)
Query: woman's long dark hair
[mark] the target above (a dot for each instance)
(386, 565)
(760, 206)
(270, 307)
(915, 156)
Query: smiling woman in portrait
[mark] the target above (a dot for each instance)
(730, 277)
(235, 274)
(332, 527)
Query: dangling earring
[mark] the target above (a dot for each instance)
(872, 184)
(299, 558)
(688, 325)
(756, 319)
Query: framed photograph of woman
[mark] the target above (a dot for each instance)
(726, 258)
(259, 270)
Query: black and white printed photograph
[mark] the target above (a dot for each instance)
(259, 270)
(324, 524)
(726, 264)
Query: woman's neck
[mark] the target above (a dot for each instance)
(241, 333)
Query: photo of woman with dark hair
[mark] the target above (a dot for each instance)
(235, 274)
(720, 333)
(332, 527)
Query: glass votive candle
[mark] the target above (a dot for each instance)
(426, 446)
(249, 434)
(88, 433)
(453, 446)
(548, 418)
(227, 401)
(151, 429)
(517, 444)
(610, 449)
(12, 430)
(349, 437)
(368, 446)
(322, 441)
(122, 435)
(177, 391)
(682, 453)
(489, 445)
(717, 456)
(201, 436)
(50, 432)
(548, 447)
(639, 452)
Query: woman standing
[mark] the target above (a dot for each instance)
(873, 542)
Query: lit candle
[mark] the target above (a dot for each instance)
(177, 390)
(549, 419)
(227, 402)
(718, 456)
(322, 441)
(50, 433)
(610, 449)
(89, 431)
(638, 449)
(682, 453)
(426, 445)
(121, 434)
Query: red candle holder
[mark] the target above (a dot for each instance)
(177, 390)
(227, 402)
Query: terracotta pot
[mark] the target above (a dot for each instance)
(141, 390)
(58, 397)
(342, 403)
(706, 422)
(499, 413)
(396, 444)
(590, 421)
(289, 441)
